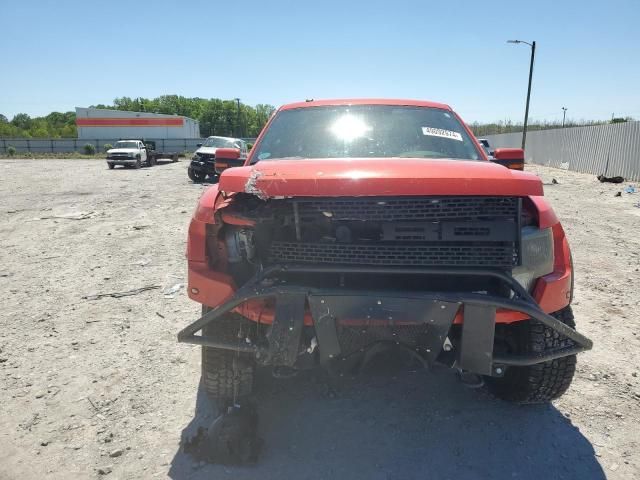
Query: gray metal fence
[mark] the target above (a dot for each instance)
(67, 145)
(610, 150)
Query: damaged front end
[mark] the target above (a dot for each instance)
(324, 278)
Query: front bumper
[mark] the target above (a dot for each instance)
(203, 167)
(122, 161)
(436, 310)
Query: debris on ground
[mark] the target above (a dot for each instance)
(554, 181)
(126, 293)
(230, 440)
(172, 285)
(70, 216)
(116, 453)
(142, 263)
(604, 179)
(106, 470)
(168, 292)
(630, 189)
(618, 194)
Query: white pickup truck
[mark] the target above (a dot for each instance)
(136, 153)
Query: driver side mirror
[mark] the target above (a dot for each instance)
(228, 158)
(512, 158)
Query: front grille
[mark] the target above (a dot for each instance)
(445, 254)
(411, 208)
(404, 232)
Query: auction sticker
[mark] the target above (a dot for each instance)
(439, 132)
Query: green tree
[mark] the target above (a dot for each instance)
(21, 121)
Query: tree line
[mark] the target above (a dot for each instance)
(216, 117)
(507, 126)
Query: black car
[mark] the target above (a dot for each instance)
(203, 160)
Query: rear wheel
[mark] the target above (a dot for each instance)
(542, 382)
(227, 375)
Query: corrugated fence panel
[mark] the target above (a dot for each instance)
(611, 150)
(66, 145)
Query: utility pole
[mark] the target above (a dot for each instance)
(526, 111)
(564, 114)
(238, 118)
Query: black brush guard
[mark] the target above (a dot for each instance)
(436, 309)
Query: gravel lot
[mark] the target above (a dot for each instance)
(101, 385)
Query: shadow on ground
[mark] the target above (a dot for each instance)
(409, 425)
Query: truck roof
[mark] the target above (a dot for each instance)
(365, 101)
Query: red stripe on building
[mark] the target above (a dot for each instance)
(130, 122)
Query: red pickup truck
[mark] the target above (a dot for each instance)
(359, 226)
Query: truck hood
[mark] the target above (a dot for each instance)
(377, 177)
(207, 150)
(123, 150)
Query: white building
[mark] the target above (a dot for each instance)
(100, 124)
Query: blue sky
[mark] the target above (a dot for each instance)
(60, 54)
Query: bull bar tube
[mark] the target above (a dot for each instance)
(476, 351)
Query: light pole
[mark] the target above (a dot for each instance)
(237, 117)
(526, 111)
(564, 114)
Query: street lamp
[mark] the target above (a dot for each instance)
(564, 114)
(526, 111)
(237, 117)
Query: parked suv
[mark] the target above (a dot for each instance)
(358, 226)
(203, 160)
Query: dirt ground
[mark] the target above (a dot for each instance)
(100, 387)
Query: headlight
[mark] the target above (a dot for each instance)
(536, 251)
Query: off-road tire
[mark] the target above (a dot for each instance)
(226, 375)
(138, 162)
(111, 166)
(542, 382)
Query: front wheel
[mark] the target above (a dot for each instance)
(138, 162)
(226, 375)
(195, 176)
(542, 382)
(111, 165)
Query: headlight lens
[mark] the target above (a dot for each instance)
(537, 256)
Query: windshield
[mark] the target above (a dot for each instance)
(219, 142)
(126, 145)
(351, 131)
